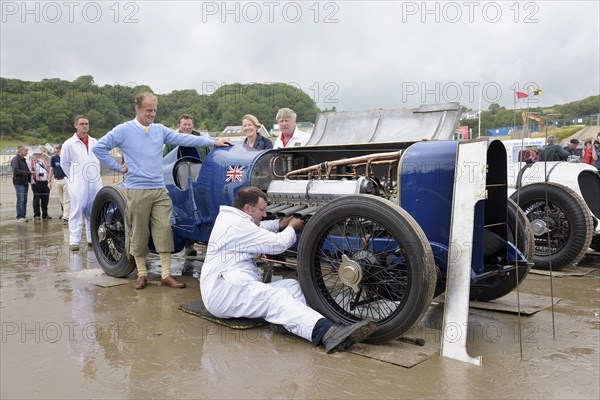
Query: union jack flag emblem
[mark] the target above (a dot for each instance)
(234, 174)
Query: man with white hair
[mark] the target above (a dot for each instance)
(40, 186)
(290, 135)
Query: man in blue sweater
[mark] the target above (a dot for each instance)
(141, 141)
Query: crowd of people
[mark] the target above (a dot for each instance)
(590, 154)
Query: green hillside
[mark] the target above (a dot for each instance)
(42, 111)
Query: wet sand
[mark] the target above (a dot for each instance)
(63, 338)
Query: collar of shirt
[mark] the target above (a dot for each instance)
(84, 140)
(145, 128)
(236, 211)
(284, 140)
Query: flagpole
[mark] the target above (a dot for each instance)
(514, 110)
(479, 115)
(527, 115)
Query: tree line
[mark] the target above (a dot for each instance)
(496, 116)
(45, 109)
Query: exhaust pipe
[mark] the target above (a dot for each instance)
(307, 212)
(289, 211)
(273, 208)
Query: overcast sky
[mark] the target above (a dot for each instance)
(355, 55)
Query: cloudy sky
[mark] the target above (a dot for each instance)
(355, 55)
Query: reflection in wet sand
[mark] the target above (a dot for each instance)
(63, 337)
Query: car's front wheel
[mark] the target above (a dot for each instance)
(110, 232)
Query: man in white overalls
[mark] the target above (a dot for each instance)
(83, 172)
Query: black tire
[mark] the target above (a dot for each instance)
(396, 281)
(110, 232)
(565, 219)
(499, 286)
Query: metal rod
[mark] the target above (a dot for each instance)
(548, 238)
(328, 166)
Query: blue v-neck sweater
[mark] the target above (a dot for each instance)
(143, 151)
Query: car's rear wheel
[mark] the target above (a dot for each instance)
(519, 228)
(560, 222)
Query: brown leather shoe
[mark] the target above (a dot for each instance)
(172, 282)
(141, 282)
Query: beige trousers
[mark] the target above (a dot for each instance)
(149, 207)
(60, 185)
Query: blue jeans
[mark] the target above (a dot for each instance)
(21, 200)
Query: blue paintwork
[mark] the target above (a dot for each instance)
(427, 184)
(426, 171)
(194, 211)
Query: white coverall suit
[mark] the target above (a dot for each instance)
(83, 171)
(230, 285)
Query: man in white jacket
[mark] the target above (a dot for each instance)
(290, 135)
(231, 287)
(83, 172)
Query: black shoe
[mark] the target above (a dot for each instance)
(340, 337)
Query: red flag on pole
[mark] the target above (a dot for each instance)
(521, 95)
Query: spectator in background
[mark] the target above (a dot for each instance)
(533, 155)
(21, 176)
(186, 125)
(82, 169)
(597, 149)
(40, 186)
(290, 135)
(254, 140)
(553, 152)
(571, 148)
(589, 152)
(58, 179)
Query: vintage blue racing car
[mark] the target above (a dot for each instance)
(378, 200)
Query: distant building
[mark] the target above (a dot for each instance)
(5, 158)
(471, 114)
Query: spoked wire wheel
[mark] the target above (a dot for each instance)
(110, 232)
(560, 221)
(362, 257)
